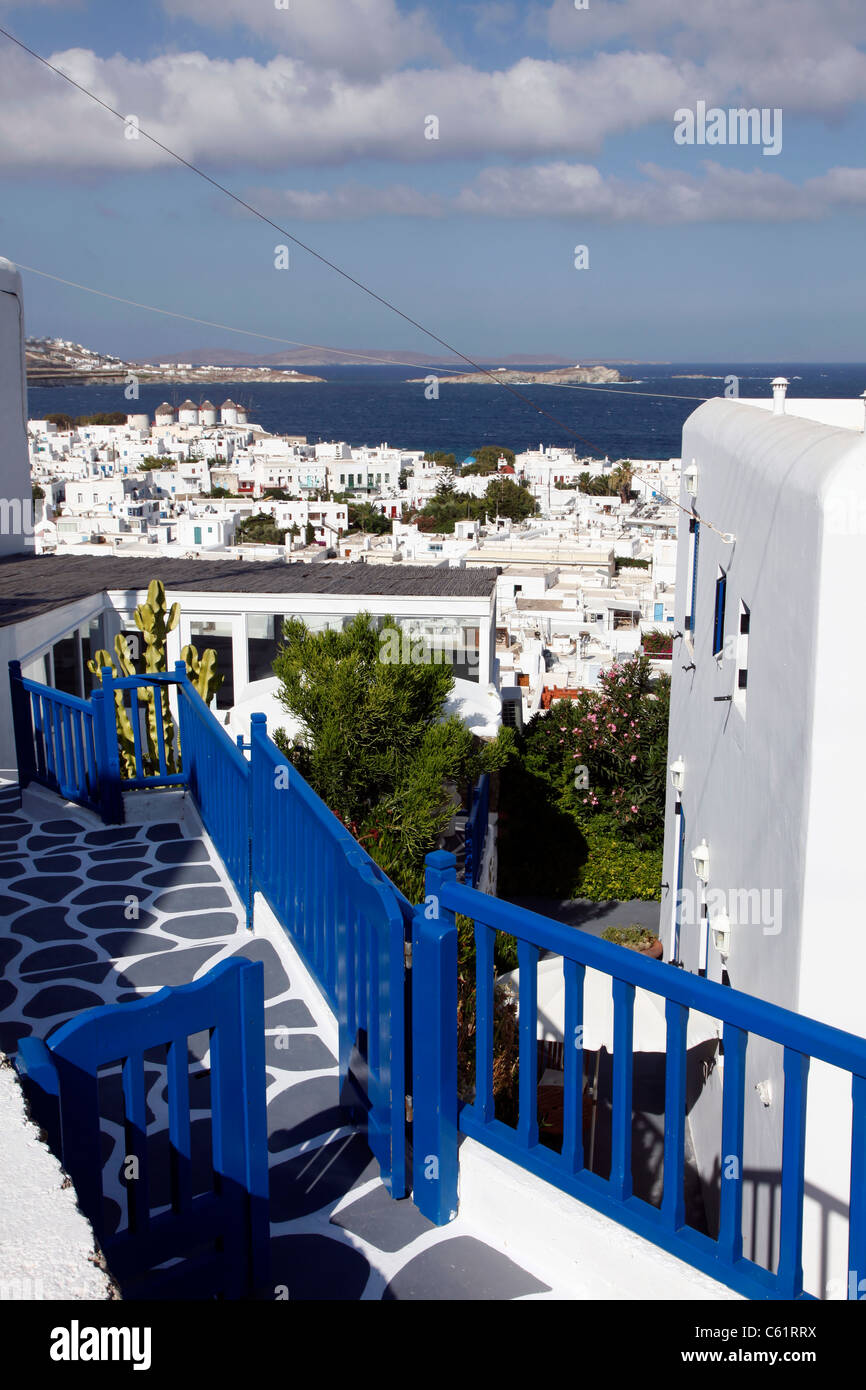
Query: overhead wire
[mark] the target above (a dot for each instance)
(331, 265)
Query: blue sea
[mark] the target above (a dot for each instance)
(375, 405)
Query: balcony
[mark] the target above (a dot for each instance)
(116, 886)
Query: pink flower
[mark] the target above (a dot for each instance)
(561, 730)
(633, 758)
(634, 810)
(612, 728)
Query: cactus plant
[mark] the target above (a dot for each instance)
(154, 621)
(202, 671)
(154, 624)
(125, 736)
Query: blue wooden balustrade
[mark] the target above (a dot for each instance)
(275, 836)
(217, 1225)
(353, 929)
(476, 830)
(350, 925)
(439, 1118)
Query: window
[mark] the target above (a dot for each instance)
(264, 635)
(203, 634)
(695, 531)
(742, 659)
(719, 617)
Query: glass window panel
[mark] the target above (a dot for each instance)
(204, 634)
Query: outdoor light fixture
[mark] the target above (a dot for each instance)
(701, 859)
(677, 770)
(690, 476)
(720, 926)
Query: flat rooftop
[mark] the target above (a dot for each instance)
(32, 585)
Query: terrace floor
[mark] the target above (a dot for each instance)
(95, 915)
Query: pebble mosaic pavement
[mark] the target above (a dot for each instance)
(65, 945)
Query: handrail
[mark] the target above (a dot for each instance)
(58, 697)
(440, 1117)
(746, 1011)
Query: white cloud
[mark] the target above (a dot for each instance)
(239, 112)
(225, 112)
(361, 37)
(699, 28)
(581, 193)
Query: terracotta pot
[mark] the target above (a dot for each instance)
(655, 950)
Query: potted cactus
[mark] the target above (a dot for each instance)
(154, 621)
(635, 938)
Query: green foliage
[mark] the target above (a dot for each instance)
(261, 529)
(657, 640)
(505, 498)
(309, 533)
(487, 459)
(153, 463)
(279, 494)
(68, 422)
(629, 562)
(614, 868)
(364, 517)
(37, 492)
(635, 937)
(444, 460)
(375, 746)
(600, 834)
(619, 734)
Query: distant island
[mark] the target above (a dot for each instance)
(560, 376)
(56, 362)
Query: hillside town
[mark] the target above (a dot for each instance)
(583, 581)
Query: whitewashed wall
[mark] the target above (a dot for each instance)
(15, 492)
(776, 790)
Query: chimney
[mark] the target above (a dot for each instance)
(780, 388)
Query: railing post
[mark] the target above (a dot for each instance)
(434, 1046)
(107, 754)
(22, 719)
(256, 803)
(181, 677)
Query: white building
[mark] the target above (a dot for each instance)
(766, 732)
(16, 522)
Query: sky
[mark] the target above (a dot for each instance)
(452, 157)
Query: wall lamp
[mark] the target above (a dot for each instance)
(701, 860)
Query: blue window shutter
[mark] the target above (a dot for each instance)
(695, 528)
(719, 619)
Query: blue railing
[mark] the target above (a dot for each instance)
(217, 1226)
(349, 924)
(218, 777)
(275, 836)
(58, 739)
(476, 829)
(439, 1117)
